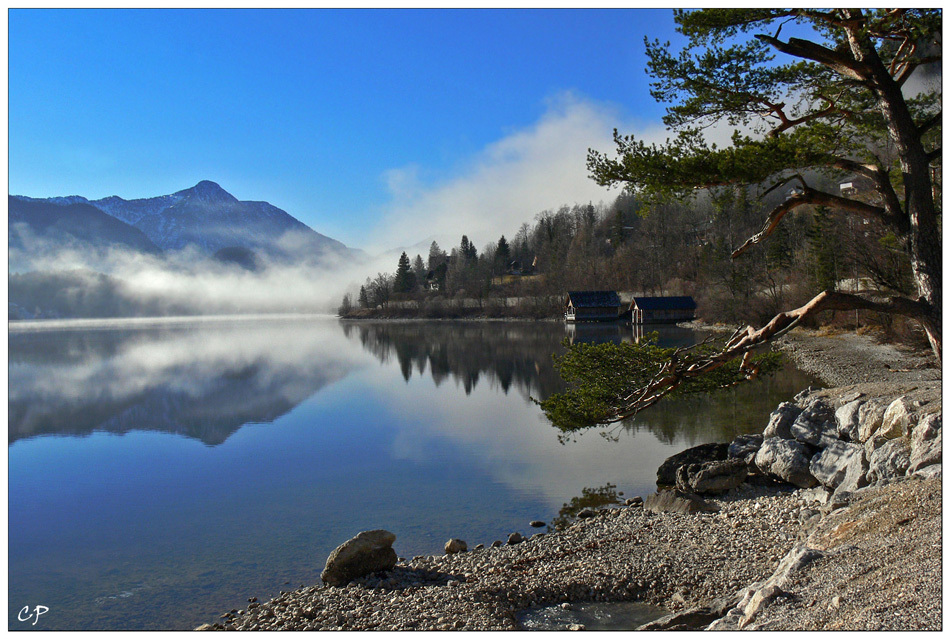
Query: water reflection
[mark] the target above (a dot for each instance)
(506, 354)
(519, 355)
(423, 428)
(199, 380)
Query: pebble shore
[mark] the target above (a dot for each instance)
(769, 558)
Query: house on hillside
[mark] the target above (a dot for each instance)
(647, 310)
(592, 306)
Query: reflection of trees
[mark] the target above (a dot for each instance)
(506, 353)
(192, 381)
(589, 498)
(718, 416)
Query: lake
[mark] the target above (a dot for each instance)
(163, 471)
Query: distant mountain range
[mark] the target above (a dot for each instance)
(205, 217)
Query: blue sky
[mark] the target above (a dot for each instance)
(376, 127)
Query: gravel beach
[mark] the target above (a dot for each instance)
(768, 556)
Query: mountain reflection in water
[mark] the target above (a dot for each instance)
(206, 381)
(161, 472)
(197, 380)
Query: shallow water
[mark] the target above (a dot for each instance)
(621, 615)
(160, 473)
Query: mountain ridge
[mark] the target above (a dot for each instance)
(210, 218)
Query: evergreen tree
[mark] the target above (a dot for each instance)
(436, 256)
(405, 279)
(502, 254)
(419, 269)
(836, 104)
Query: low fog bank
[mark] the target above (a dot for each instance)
(71, 283)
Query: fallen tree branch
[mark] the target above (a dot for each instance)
(679, 369)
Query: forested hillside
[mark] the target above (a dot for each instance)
(680, 248)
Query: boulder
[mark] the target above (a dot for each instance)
(815, 425)
(929, 472)
(787, 460)
(898, 420)
(453, 546)
(830, 465)
(713, 477)
(855, 475)
(781, 420)
(848, 419)
(515, 538)
(926, 442)
(870, 416)
(889, 461)
(745, 445)
(666, 473)
(370, 551)
(676, 501)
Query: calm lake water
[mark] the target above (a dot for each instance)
(162, 472)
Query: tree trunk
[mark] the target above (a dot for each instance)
(924, 234)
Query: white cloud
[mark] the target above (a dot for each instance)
(509, 181)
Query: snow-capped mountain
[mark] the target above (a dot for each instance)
(209, 218)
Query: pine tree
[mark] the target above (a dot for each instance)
(502, 254)
(405, 279)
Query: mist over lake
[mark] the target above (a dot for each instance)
(163, 471)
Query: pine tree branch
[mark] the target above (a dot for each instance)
(811, 196)
(799, 48)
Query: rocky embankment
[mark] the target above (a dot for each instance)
(831, 520)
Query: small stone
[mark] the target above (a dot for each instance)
(577, 626)
(515, 538)
(537, 524)
(496, 544)
(586, 513)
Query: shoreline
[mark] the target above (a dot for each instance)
(772, 556)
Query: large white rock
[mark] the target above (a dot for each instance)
(815, 425)
(830, 465)
(870, 416)
(926, 442)
(787, 460)
(781, 420)
(848, 420)
(889, 461)
(898, 419)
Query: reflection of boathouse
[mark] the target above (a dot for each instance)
(647, 310)
(592, 306)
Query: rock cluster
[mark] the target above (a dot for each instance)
(845, 439)
(835, 440)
